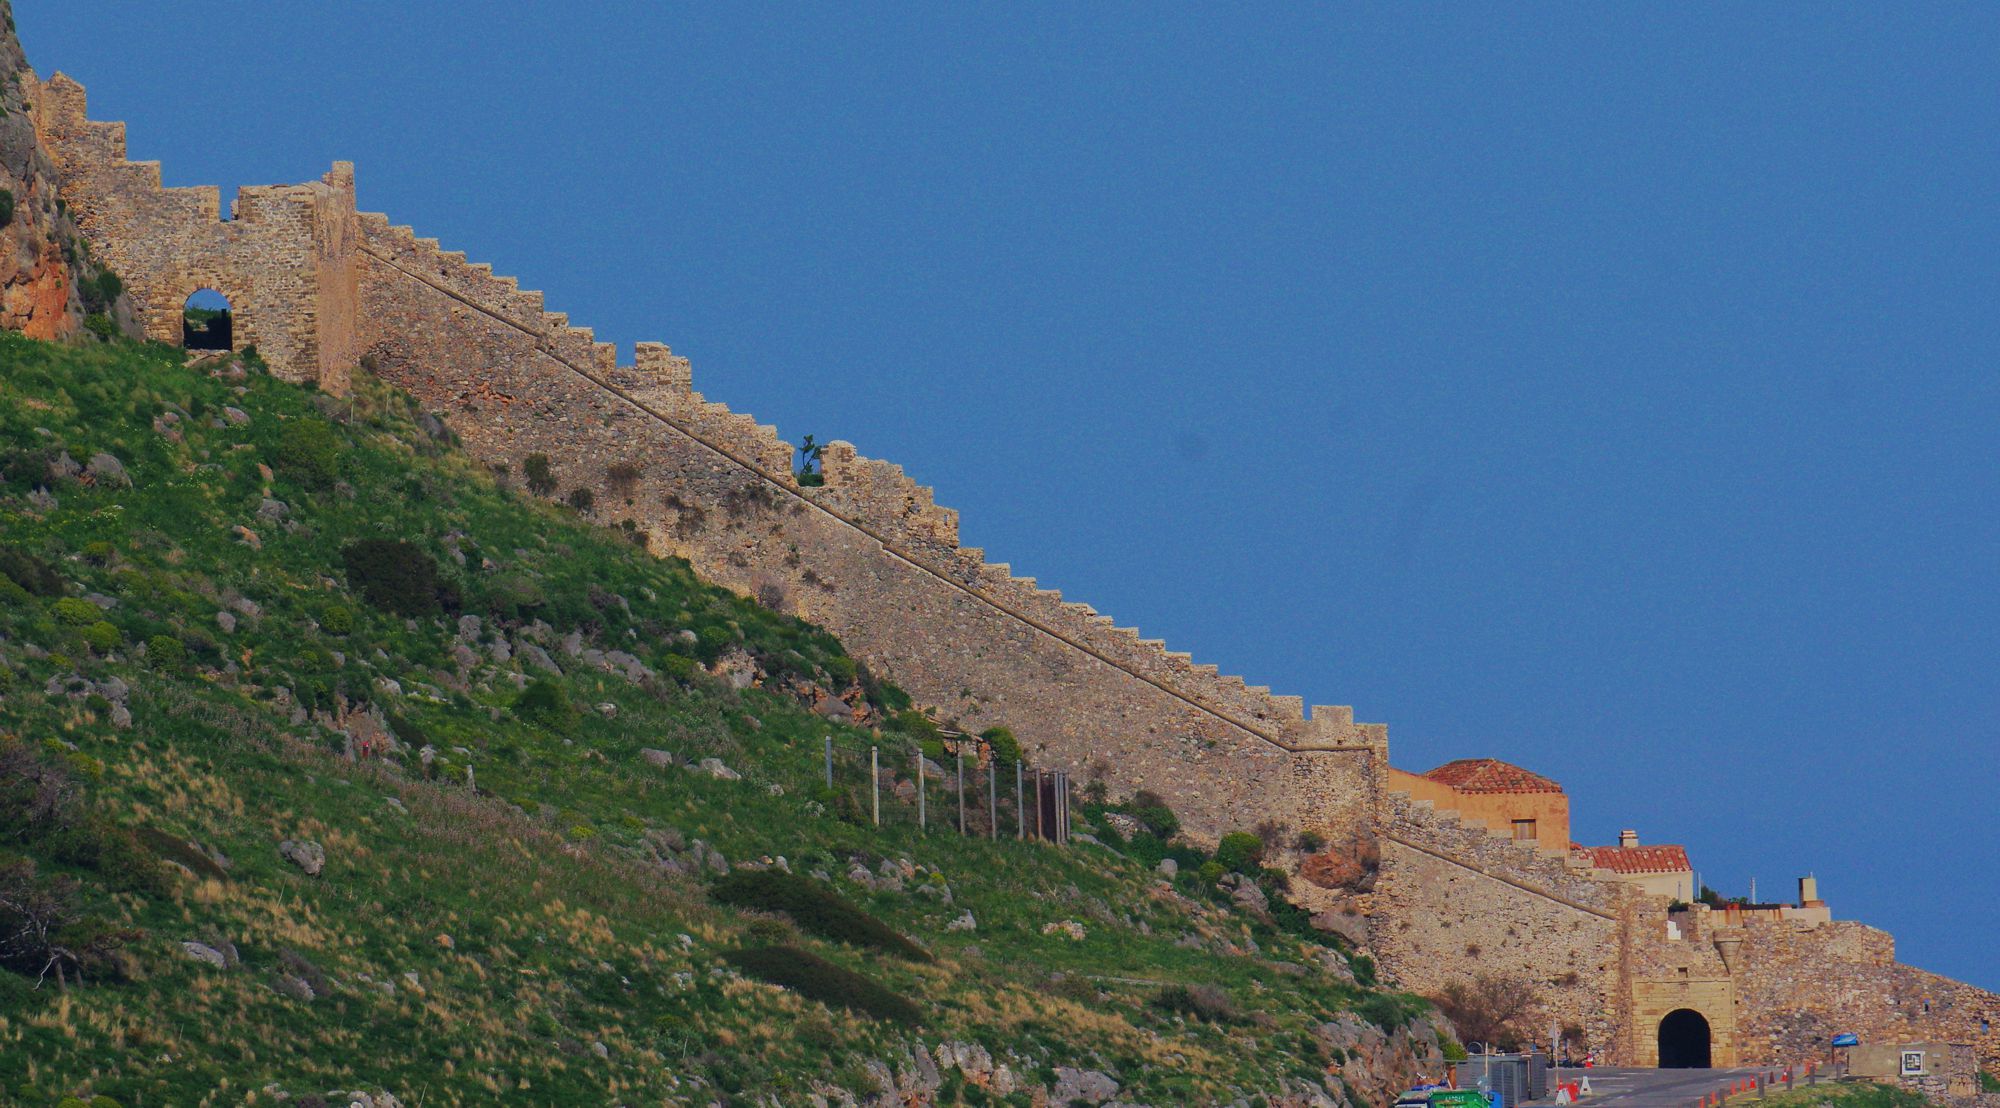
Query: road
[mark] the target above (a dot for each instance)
(1649, 1088)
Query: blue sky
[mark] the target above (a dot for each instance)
(1608, 390)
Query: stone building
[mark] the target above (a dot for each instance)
(1472, 870)
(1662, 870)
(1507, 799)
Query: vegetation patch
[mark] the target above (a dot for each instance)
(815, 908)
(816, 978)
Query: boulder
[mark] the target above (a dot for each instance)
(308, 856)
(202, 952)
(716, 769)
(1088, 1086)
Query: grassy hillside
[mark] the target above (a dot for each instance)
(239, 620)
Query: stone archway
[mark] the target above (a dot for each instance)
(208, 321)
(1685, 1040)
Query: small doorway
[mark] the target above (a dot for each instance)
(206, 322)
(1684, 1041)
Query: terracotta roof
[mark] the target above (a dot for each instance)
(1490, 775)
(1640, 859)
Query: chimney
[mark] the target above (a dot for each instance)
(1809, 892)
(1628, 839)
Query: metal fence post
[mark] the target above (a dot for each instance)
(875, 781)
(1020, 813)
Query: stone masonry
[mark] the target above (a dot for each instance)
(320, 288)
(284, 260)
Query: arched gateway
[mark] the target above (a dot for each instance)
(1684, 1040)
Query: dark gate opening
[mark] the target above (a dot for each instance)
(1684, 1041)
(206, 323)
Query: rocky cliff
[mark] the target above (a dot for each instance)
(48, 283)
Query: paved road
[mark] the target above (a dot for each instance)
(1648, 1088)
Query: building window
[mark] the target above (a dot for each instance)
(1524, 829)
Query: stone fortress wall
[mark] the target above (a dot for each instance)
(1454, 899)
(285, 261)
(871, 556)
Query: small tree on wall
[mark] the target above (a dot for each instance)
(1493, 1009)
(810, 451)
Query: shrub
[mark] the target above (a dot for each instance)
(101, 325)
(623, 477)
(1239, 851)
(1006, 748)
(31, 573)
(308, 452)
(541, 478)
(101, 292)
(840, 669)
(76, 611)
(1490, 1009)
(397, 577)
(1205, 1002)
(337, 619)
(1210, 872)
(815, 978)
(581, 498)
(103, 636)
(815, 908)
(545, 703)
(6, 207)
(1309, 842)
(168, 848)
(1151, 810)
(165, 651)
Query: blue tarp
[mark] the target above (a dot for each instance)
(1848, 1039)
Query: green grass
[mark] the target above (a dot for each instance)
(1844, 1095)
(474, 944)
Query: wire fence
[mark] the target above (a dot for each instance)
(894, 784)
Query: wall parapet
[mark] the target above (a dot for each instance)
(652, 448)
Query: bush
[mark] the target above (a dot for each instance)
(541, 478)
(581, 498)
(397, 576)
(545, 703)
(76, 611)
(1151, 810)
(1210, 872)
(101, 292)
(337, 619)
(815, 978)
(1309, 842)
(165, 651)
(101, 325)
(6, 207)
(308, 452)
(1006, 748)
(103, 636)
(1240, 851)
(815, 908)
(1206, 1002)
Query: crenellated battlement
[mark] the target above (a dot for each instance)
(278, 259)
(869, 552)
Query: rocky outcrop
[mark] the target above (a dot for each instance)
(48, 280)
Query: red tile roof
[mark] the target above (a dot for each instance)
(1640, 859)
(1490, 775)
